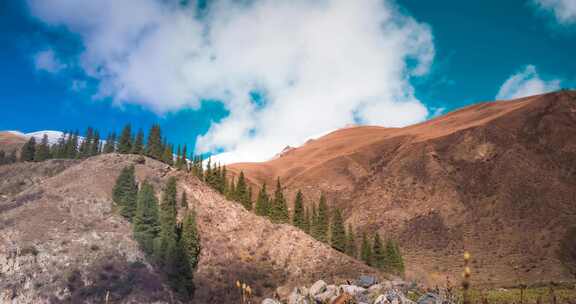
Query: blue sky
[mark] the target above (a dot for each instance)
(247, 83)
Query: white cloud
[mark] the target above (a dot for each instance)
(322, 64)
(47, 61)
(563, 10)
(526, 83)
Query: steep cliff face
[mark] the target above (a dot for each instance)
(497, 179)
(61, 239)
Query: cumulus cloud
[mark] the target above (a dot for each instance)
(563, 10)
(319, 65)
(526, 83)
(48, 62)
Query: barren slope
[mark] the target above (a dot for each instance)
(61, 240)
(10, 141)
(498, 179)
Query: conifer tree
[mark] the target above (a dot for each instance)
(184, 158)
(322, 220)
(378, 254)
(178, 163)
(306, 221)
(241, 194)
(393, 258)
(180, 274)
(146, 223)
(57, 150)
(298, 219)
(28, 150)
(85, 146)
(338, 231)
(95, 146)
(168, 157)
(42, 150)
(125, 141)
(138, 147)
(366, 250)
(351, 242)
(279, 209)
(167, 249)
(191, 238)
(3, 157)
(11, 157)
(125, 192)
(262, 208)
(184, 201)
(110, 145)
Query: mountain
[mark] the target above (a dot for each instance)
(62, 241)
(10, 140)
(497, 179)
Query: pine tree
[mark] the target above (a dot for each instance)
(125, 141)
(338, 231)
(180, 274)
(393, 258)
(110, 145)
(85, 146)
(378, 254)
(95, 146)
(42, 150)
(241, 194)
(191, 238)
(28, 150)
(57, 150)
(168, 157)
(351, 242)
(184, 159)
(125, 192)
(298, 219)
(314, 222)
(138, 147)
(178, 163)
(322, 220)
(262, 202)
(166, 252)
(366, 250)
(306, 221)
(184, 201)
(146, 223)
(279, 209)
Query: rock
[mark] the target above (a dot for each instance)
(270, 301)
(392, 296)
(299, 296)
(430, 298)
(317, 288)
(326, 296)
(366, 281)
(352, 289)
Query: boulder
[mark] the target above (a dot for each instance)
(352, 289)
(392, 296)
(318, 287)
(330, 293)
(366, 281)
(270, 301)
(299, 296)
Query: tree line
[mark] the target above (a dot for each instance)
(171, 245)
(72, 146)
(319, 221)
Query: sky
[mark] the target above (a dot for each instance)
(242, 79)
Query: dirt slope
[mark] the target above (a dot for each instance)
(10, 141)
(61, 240)
(498, 179)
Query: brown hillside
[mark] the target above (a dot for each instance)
(10, 141)
(61, 240)
(497, 178)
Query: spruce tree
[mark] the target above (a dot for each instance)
(95, 146)
(180, 273)
(178, 163)
(338, 232)
(42, 150)
(168, 157)
(86, 145)
(166, 252)
(110, 145)
(366, 250)
(125, 192)
(298, 219)
(146, 223)
(28, 150)
(138, 147)
(306, 221)
(125, 141)
(378, 254)
(262, 202)
(241, 194)
(322, 220)
(279, 209)
(393, 258)
(351, 242)
(191, 238)
(184, 158)
(184, 201)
